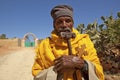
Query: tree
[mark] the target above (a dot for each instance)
(106, 38)
(3, 36)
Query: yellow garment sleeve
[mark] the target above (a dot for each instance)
(37, 66)
(44, 57)
(92, 57)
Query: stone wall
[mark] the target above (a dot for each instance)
(14, 42)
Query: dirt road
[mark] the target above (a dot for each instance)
(17, 65)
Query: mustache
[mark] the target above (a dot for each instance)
(66, 33)
(64, 29)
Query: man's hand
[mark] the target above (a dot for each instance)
(68, 62)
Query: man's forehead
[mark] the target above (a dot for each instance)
(63, 17)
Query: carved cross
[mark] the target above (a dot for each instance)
(81, 51)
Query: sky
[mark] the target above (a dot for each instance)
(18, 17)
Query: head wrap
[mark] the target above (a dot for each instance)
(61, 10)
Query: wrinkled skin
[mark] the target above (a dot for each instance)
(63, 22)
(66, 63)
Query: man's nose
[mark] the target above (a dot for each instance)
(64, 24)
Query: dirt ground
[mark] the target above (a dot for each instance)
(16, 64)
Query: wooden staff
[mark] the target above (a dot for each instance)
(67, 36)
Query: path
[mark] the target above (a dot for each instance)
(17, 65)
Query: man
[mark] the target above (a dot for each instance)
(71, 54)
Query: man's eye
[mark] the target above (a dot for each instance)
(59, 22)
(68, 20)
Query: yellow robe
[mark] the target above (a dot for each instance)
(54, 47)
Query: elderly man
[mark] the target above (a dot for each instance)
(66, 54)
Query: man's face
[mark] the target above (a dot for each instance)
(63, 22)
